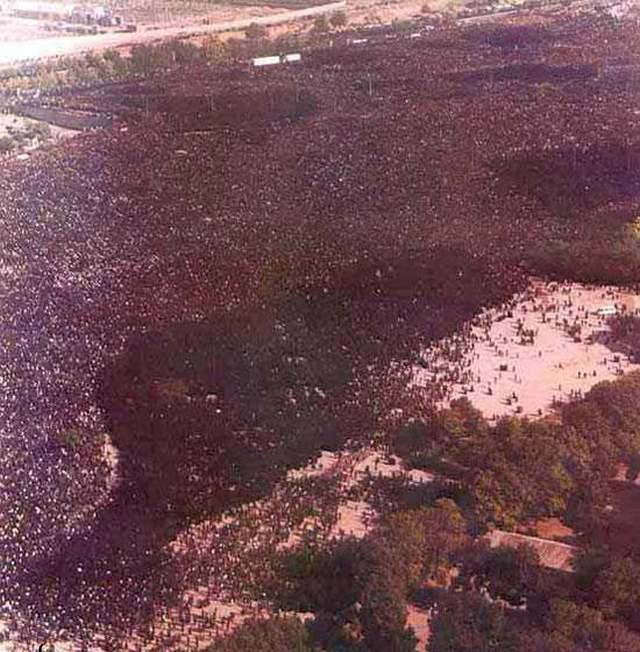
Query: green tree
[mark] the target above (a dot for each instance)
(328, 580)
(588, 565)
(213, 49)
(384, 611)
(338, 19)
(522, 475)
(469, 623)
(617, 588)
(570, 626)
(183, 52)
(510, 574)
(278, 634)
(6, 144)
(321, 24)
(411, 438)
(255, 32)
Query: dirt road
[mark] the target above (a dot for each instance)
(12, 52)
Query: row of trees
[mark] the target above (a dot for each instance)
(358, 589)
(612, 257)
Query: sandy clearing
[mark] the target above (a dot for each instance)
(502, 376)
(418, 619)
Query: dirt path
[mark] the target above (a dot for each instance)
(30, 50)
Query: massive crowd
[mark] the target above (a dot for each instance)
(366, 189)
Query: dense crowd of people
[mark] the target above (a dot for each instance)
(341, 214)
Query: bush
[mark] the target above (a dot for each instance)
(184, 51)
(213, 49)
(469, 623)
(505, 573)
(6, 145)
(338, 20)
(321, 24)
(272, 635)
(147, 58)
(255, 32)
(401, 25)
(40, 130)
(111, 55)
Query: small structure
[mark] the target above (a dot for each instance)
(276, 59)
(42, 10)
(291, 58)
(266, 61)
(553, 554)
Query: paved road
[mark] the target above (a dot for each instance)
(12, 52)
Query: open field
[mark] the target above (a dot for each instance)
(246, 267)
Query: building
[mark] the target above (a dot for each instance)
(41, 10)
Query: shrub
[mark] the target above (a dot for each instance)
(6, 144)
(401, 25)
(255, 31)
(111, 55)
(213, 49)
(321, 24)
(272, 635)
(338, 20)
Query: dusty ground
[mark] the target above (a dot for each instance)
(370, 12)
(23, 150)
(19, 122)
(179, 12)
(418, 619)
(20, 29)
(225, 19)
(503, 375)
